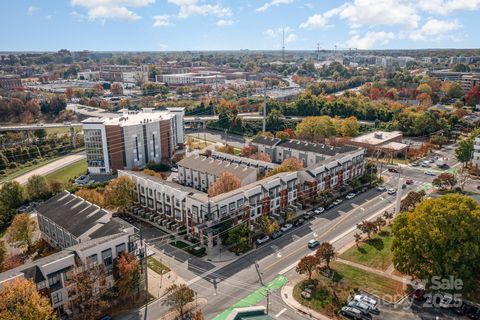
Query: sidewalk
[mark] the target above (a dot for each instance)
(287, 297)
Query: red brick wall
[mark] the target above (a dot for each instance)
(165, 139)
(115, 147)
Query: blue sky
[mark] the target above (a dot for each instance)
(153, 25)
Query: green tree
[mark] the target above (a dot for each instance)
(316, 128)
(268, 225)
(275, 120)
(238, 236)
(119, 193)
(177, 297)
(12, 194)
(464, 151)
(454, 90)
(37, 187)
(436, 239)
(21, 231)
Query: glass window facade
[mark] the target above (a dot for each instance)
(94, 147)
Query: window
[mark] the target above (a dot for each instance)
(92, 261)
(107, 257)
(119, 249)
(52, 280)
(57, 297)
(240, 203)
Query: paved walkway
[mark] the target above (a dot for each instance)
(287, 297)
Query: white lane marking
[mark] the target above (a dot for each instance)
(280, 313)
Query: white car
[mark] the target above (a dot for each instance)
(263, 239)
(173, 169)
(381, 188)
(337, 202)
(391, 191)
(367, 300)
(351, 195)
(286, 227)
(319, 210)
(429, 173)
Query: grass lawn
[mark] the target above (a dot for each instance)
(375, 253)
(346, 280)
(13, 173)
(180, 245)
(69, 172)
(157, 266)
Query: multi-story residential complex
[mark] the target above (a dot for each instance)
(10, 82)
(307, 152)
(99, 243)
(191, 78)
(467, 80)
(200, 172)
(88, 75)
(262, 166)
(126, 74)
(476, 153)
(133, 139)
(171, 205)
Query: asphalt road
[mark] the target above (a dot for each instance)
(51, 167)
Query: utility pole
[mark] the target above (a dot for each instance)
(257, 267)
(399, 194)
(264, 124)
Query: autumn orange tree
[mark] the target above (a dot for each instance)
(261, 156)
(119, 193)
(127, 273)
(3, 253)
(20, 300)
(226, 182)
(326, 253)
(90, 284)
(307, 265)
(21, 231)
(177, 297)
(91, 195)
(289, 164)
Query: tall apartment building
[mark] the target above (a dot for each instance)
(191, 78)
(133, 139)
(467, 80)
(89, 238)
(124, 73)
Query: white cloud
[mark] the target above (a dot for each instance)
(435, 29)
(194, 8)
(31, 10)
(161, 21)
(278, 33)
(291, 38)
(315, 22)
(370, 40)
(444, 7)
(378, 12)
(225, 22)
(111, 9)
(273, 3)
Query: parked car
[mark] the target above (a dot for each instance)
(298, 222)
(364, 189)
(276, 234)
(263, 239)
(105, 317)
(67, 123)
(418, 294)
(329, 206)
(409, 181)
(351, 195)
(395, 170)
(426, 164)
(448, 301)
(351, 313)
(173, 169)
(364, 308)
(429, 173)
(381, 188)
(337, 202)
(313, 243)
(391, 191)
(415, 164)
(309, 215)
(319, 210)
(365, 299)
(286, 227)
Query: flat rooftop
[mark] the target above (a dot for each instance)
(377, 137)
(132, 118)
(216, 167)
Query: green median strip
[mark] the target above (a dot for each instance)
(255, 297)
